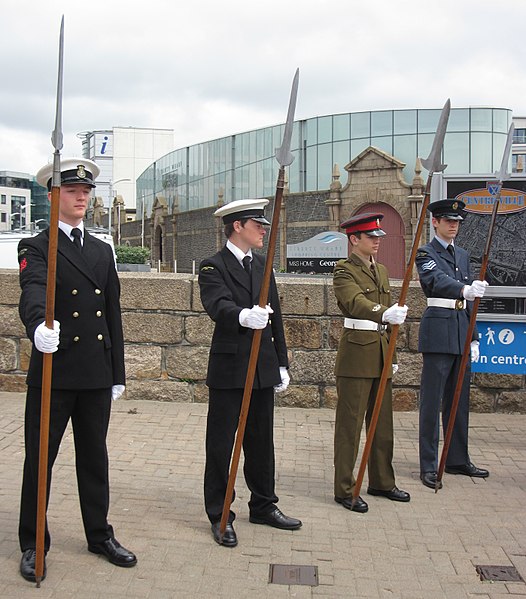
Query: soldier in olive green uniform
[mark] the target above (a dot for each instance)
(361, 286)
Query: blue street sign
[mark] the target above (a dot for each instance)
(502, 347)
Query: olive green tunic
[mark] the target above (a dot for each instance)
(359, 362)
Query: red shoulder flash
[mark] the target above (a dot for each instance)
(23, 264)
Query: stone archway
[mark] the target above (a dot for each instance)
(392, 247)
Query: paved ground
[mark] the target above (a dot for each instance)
(425, 549)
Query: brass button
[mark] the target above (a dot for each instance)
(99, 313)
(76, 338)
(98, 291)
(100, 337)
(75, 314)
(74, 292)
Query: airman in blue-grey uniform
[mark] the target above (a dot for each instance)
(448, 285)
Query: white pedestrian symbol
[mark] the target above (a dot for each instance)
(490, 335)
(506, 336)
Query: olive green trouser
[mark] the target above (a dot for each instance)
(356, 399)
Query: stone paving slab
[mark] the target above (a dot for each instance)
(427, 548)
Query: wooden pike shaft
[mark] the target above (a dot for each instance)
(46, 381)
(254, 353)
(466, 352)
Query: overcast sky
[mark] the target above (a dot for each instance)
(208, 68)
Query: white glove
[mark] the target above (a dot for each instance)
(475, 351)
(395, 314)
(476, 289)
(395, 368)
(46, 340)
(285, 380)
(255, 318)
(117, 391)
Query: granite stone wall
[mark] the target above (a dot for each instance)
(167, 336)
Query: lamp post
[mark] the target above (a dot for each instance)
(112, 184)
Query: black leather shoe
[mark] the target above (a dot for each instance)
(27, 565)
(359, 505)
(395, 494)
(114, 552)
(468, 469)
(229, 538)
(277, 519)
(429, 479)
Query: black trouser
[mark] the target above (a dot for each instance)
(89, 411)
(439, 379)
(258, 447)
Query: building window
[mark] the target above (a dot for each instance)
(519, 136)
(4, 199)
(3, 217)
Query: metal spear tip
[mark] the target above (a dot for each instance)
(503, 174)
(56, 136)
(283, 155)
(432, 163)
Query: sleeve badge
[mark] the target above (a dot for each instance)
(23, 264)
(376, 307)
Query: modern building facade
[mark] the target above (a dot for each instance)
(243, 165)
(122, 154)
(23, 202)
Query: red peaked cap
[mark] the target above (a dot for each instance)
(364, 223)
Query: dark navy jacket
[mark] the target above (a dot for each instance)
(87, 305)
(225, 290)
(443, 330)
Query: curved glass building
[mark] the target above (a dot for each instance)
(243, 165)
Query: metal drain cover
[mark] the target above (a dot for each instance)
(499, 573)
(306, 575)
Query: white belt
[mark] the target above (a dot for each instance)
(363, 325)
(453, 304)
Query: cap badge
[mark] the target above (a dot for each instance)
(454, 205)
(81, 171)
(378, 222)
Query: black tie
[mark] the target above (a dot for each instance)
(76, 234)
(451, 250)
(246, 264)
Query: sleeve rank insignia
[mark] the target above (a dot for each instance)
(376, 307)
(203, 268)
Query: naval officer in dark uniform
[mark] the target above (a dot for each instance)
(362, 289)
(88, 361)
(230, 283)
(445, 277)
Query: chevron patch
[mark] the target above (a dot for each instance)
(429, 265)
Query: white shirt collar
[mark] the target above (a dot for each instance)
(68, 228)
(238, 253)
(443, 242)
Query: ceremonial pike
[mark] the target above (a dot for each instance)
(57, 141)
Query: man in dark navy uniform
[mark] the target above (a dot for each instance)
(88, 361)
(230, 283)
(446, 280)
